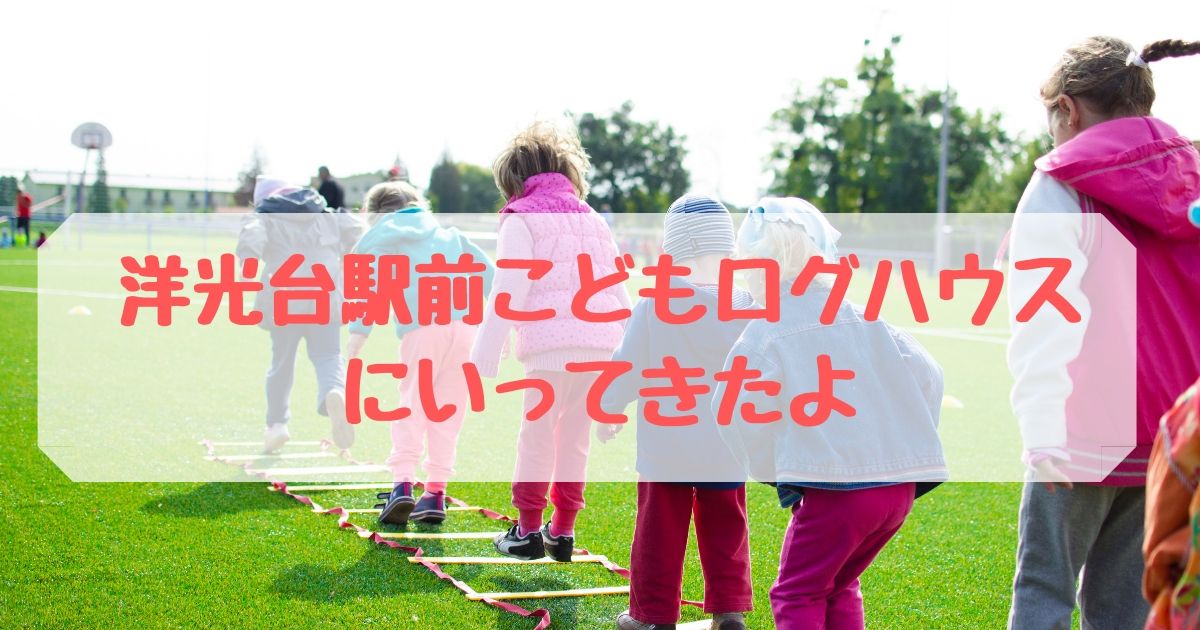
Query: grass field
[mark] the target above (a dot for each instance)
(228, 554)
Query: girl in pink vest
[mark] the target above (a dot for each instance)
(1113, 198)
(543, 176)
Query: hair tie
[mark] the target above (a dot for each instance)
(1135, 59)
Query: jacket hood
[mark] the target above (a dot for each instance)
(1139, 167)
(407, 224)
(302, 201)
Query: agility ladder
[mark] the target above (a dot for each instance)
(433, 564)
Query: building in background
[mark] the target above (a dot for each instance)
(131, 193)
(151, 193)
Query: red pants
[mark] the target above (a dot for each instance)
(665, 512)
(552, 451)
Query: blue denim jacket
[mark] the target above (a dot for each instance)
(896, 392)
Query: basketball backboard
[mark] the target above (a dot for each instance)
(91, 135)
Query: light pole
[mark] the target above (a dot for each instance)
(939, 239)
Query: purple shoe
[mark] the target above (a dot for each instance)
(399, 505)
(431, 508)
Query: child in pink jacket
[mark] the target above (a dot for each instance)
(542, 174)
(1112, 165)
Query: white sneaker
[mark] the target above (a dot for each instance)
(335, 406)
(275, 437)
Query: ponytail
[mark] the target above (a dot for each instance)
(1169, 48)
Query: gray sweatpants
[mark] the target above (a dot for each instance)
(323, 344)
(1094, 528)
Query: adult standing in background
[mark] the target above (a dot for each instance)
(24, 214)
(330, 189)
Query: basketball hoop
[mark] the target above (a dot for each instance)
(91, 136)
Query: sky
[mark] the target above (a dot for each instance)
(192, 89)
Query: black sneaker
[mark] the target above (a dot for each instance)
(561, 548)
(399, 505)
(430, 509)
(729, 621)
(527, 547)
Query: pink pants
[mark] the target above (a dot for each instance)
(448, 347)
(552, 451)
(665, 513)
(833, 537)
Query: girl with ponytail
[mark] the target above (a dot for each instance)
(1112, 161)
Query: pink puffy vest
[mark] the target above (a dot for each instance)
(563, 227)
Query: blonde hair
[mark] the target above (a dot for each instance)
(789, 245)
(392, 196)
(1105, 72)
(542, 147)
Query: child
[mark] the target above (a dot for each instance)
(404, 226)
(289, 220)
(543, 175)
(1173, 518)
(1111, 159)
(850, 482)
(698, 234)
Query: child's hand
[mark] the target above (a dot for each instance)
(355, 345)
(606, 432)
(1047, 471)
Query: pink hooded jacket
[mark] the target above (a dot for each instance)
(549, 222)
(1142, 176)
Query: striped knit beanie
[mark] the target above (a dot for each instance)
(696, 225)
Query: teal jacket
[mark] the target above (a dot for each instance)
(416, 233)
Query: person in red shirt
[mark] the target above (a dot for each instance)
(24, 213)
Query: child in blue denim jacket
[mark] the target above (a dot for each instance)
(851, 480)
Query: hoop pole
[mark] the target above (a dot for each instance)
(87, 154)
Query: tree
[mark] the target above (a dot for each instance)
(244, 195)
(446, 186)
(873, 146)
(1000, 190)
(479, 188)
(808, 159)
(462, 187)
(636, 166)
(98, 200)
(8, 190)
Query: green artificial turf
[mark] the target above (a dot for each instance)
(235, 555)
